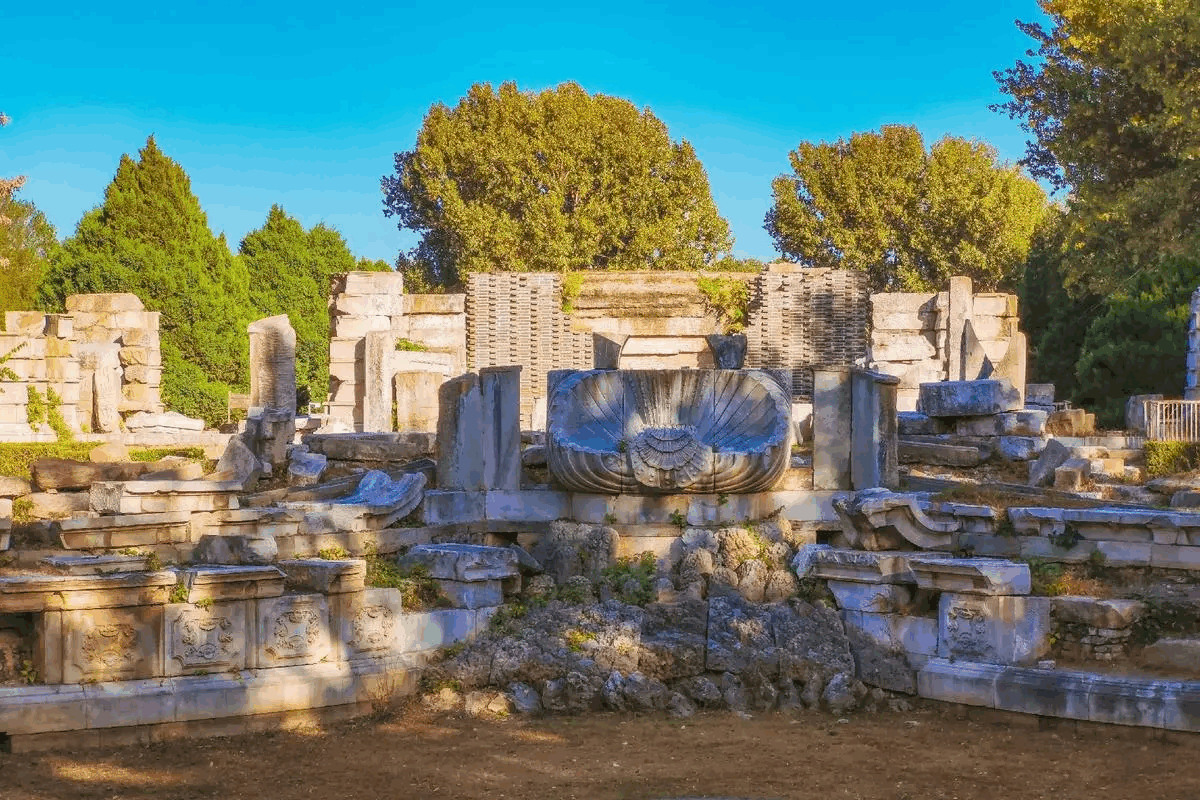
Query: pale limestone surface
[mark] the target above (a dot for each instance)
(660, 431)
(982, 576)
(998, 629)
(969, 398)
(292, 629)
(463, 562)
(210, 639)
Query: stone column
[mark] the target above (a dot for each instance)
(272, 363)
(106, 387)
(832, 428)
(1012, 366)
(961, 302)
(1191, 389)
(874, 460)
(377, 374)
(500, 388)
(417, 400)
(459, 443)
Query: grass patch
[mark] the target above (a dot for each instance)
(410, 346)
(159, 453)
(22, 510)
(576, 639)
(15, 457)
(1055, 579)
(632, 579)
(417, 590)
(335, 553)
(1171, 458)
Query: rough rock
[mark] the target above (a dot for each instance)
(110, 453)
(487, 704)
(702, 690)
(843, 693)
(752, 580)
(524, 698)
(527, 564)
(1053, 456)
(534, 456)
(253, 550)
(306, 469)
(239, 462)
(570, 548)
(781, 585)
(680, 707)
(57, 505)
(878, 666)
(13, 487)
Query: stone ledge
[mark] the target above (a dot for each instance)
(1068, 694)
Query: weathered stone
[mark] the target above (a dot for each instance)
(832, 429)
(843, 693)
(650, 431)
(56, 505)
(1135, 413)
(914, 423)
(463, 562)
(1179, 655)
(167, 421)
(1019, 448)
(324, 576)
(948, 455)
(239, 463)
(569, 548)
(1071, 422)
(975, 363)
(106, 389)
(1096, 612)
(1000, 630)
(291, 629)
(1039, 394)
(873, 456)
(1054, 455)
(460, 445)
(1012, 366)
(110, 453)
(13, 487)
(214, 549)
(112, 644)
(968, 398)
(880, 598)
(377, 392)
(62, 473)
(500, 427)
(306, 469)
(416, 394)
(524, 698)
(878, 664)
(982, 576)
(877, 519)
(606, 350)
(272, 363)
(728, 351)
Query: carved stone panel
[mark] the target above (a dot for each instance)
(997, 630)
(209, 639)
(369, 622)
(112, 644)
(293, 629)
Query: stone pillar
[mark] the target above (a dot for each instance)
(874, 452)
(500, 388)
(417, 400)
(960, 305)
(106, 387)
(377, 374)
(1012, 366)
(272, 363)
(459, 444)
(832, 428)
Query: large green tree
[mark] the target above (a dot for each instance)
(289, 270)
(27, 243)
(1111, 95)
(151, 237)
(550, 181)
(881, 203)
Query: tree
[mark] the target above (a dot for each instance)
(9, 185)
(552, 181)
(372, 265)
(1111, 100)
(27, 243)
(289, 271)
(151, 237)
(880, 203)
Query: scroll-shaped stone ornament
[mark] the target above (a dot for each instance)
(669, 431)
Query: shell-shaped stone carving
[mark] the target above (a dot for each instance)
(668, 431)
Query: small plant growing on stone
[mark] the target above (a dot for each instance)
(722, 499)
(632, 579)
(153, 562)
(576, 639)
(1005, 527)
(610, 518)
(205, 603)
(335, 553)
(1068, 538)
(6, 373)
(22, 510)
(572, 285)
(410, 346)
(179, 593)
(28, 672)
(678, 519)
(505, 620)
(35, 408)
(622, 447)
(728, 298)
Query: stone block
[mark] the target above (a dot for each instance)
(1175, 557)
(914, 423)
(982, 576)
(527, 506)
(39, 593)
(378, 381)
(949, 455)
(1096, 612)
(861, 566)
(291, 629)
(1039, 394)
(40, 709)
(1011, 423)
(460, 445)
(231, 582)
(368, 623)
(453, 507)
(1071, 422)
(368, 283)
(878, 598)
(500, 393)
(246, 550)
(209, 639)
(306, 469)
(1053, 456)
(432, 630)
(832, 429)
(1069, 478)
(463, 562)
(1176, 654)
(472, 594)
(1000, 630)
(112, 644)
(968, 398)
(416, 395)
(1020, 448)
(873, 456)
(324, 577)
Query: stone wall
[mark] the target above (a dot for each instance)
(912, 336)
(101, 358)
(363, 303)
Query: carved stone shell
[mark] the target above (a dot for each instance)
(660, 431)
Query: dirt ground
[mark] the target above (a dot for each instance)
(919, 754)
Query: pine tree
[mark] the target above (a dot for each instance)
(289, 270)
(151, 237)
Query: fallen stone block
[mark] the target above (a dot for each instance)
(463, 562)
(1096, 612)
(1039, 394)
(1053, 456)
(1020, 448)
(1179, 655)
(914, 423)
(63, 473)
(968, 398)
(324, 576)
(982, 576)
(167, 421)
(306, 469)
(1071, 422)
(946, 455)
(235, 550)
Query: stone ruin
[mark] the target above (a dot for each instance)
(681, 533)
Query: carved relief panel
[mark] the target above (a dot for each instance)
(293, 629)
(209, 639)
(111, 644)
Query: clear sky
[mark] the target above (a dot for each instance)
(304, 104)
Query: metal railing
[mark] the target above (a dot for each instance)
(1173, 420)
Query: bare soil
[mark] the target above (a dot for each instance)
(922, 754)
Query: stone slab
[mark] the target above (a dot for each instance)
(212, 638)
(463, 562)
(323, 576)
(291, 629)
(982, 576)
(998, 629)
(231, 582)
(112, 644)
(36, 593)
(968, 398)
(878, 598)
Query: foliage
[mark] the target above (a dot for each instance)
(632, 579)
(289, 270)
(1171, 458)
(507, 618)
(55, 418)
(159, 453)
(35, 406)
(572, 285)
(1164, 617)
(22, 510)
(6, 373)
(410, 346)
(728, 298)
(15, 457)
(1068, 538)
(150, 237)
(1134, 346)
(910, 218)
(577, 638)
(27, 243)
(729, 263)
(333, 553)
(551, 181)
(179, 593)
(1110, 97)
(417, 589)
(365, 264)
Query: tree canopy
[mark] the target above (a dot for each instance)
(27, 243)
(151, 237)
(911, 218)
(1111, 96)
(556, 180)
(289, 270)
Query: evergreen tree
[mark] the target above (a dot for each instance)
(151, 237)
(27, 243)
(289, 270)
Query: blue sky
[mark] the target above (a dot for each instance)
(304, 104)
